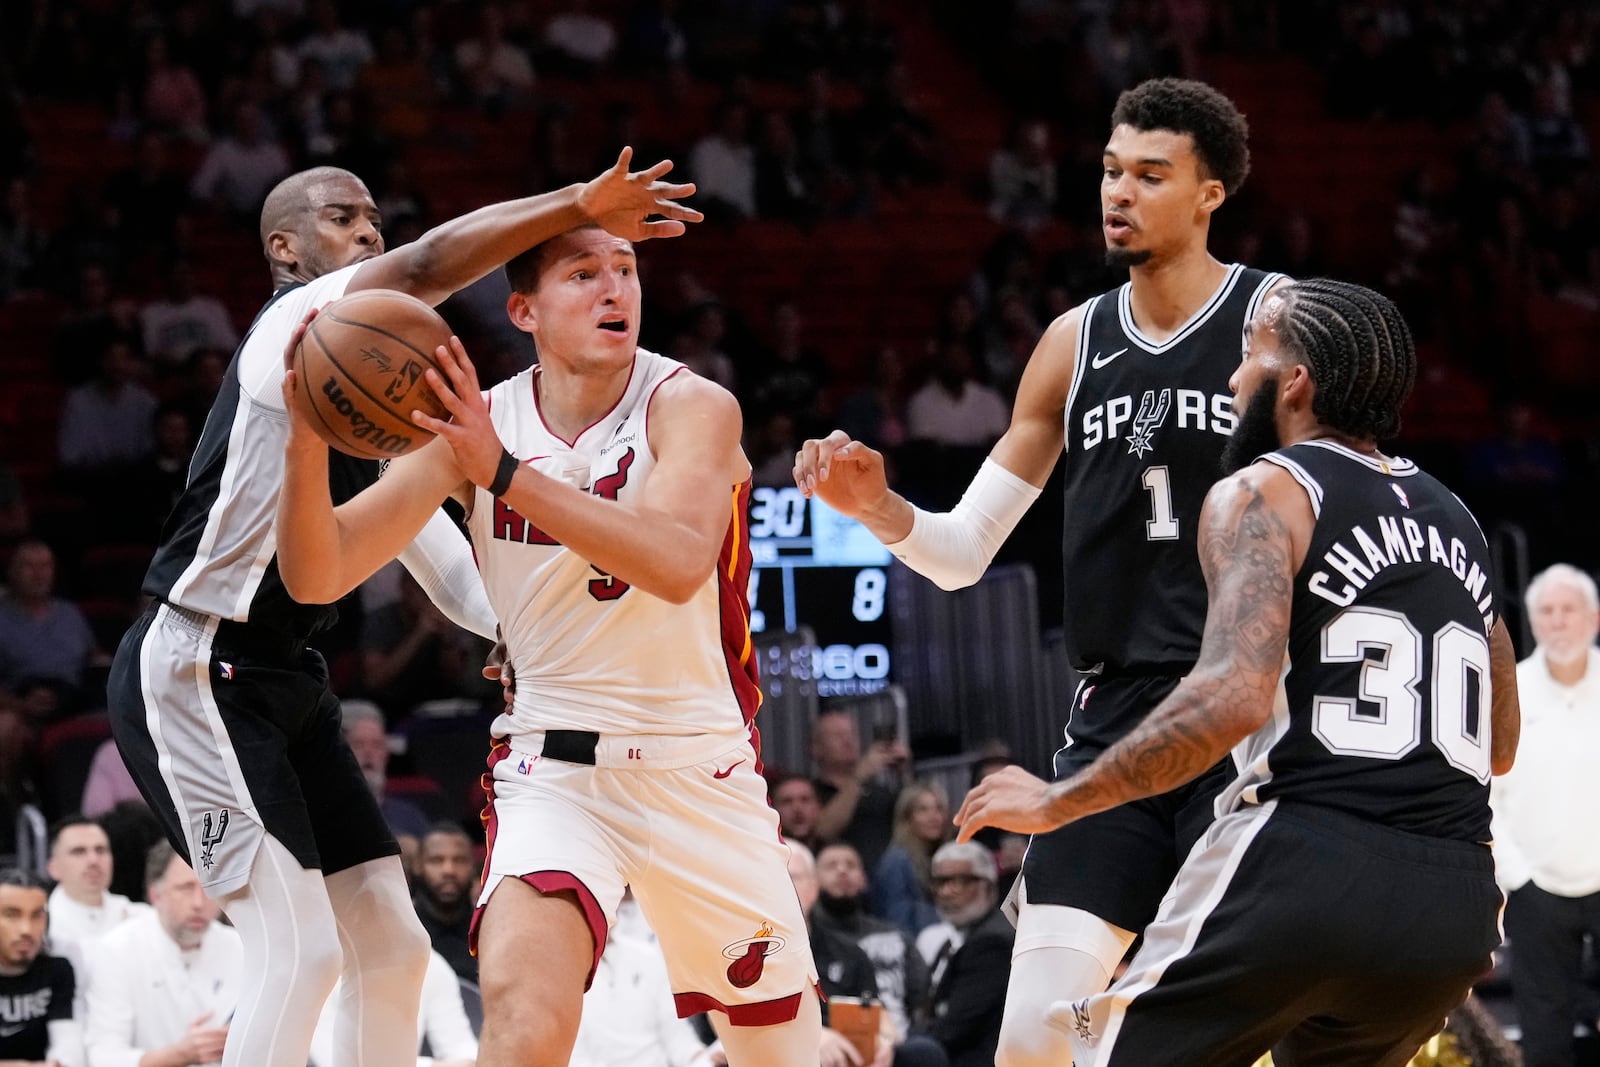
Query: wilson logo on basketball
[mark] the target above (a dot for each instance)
(750, 956)
(362, 428)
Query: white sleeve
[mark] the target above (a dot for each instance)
(954, 548)
(1511, 868)
(66, 1042)
(109, 1025)
(444, 1017)
(440, 559)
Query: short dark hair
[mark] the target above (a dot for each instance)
(448, 828)
(524, 269)
(67, 822)
(22, 879)
(1358, 348)
(1220, 134)
(156, 862)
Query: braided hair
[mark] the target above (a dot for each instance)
(1358, 348)
(1219, 132)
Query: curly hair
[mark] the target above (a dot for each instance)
(1220, 134)
(1359, 351)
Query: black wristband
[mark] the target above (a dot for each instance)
(503, 474)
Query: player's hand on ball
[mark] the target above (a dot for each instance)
(469, 433)
(847, 475)
(1011, 799)
(622, 203)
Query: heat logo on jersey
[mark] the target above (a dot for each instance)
(1152, 413)
(749, 956)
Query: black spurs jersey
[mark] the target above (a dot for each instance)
(218, 552)
(1145, 428)
(1387, 709)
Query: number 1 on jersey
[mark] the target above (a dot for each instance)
(1163, 525)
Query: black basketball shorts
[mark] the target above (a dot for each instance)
(230, 735)
(1118, 864)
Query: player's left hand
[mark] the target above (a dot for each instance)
(1011, 799)
(622, 203)
(469, 432)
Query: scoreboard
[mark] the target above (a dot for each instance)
(813, 567)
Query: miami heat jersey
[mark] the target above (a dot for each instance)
(1387, 715)
(591, 652)
(1145, 425)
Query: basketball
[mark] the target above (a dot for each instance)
(359, 372)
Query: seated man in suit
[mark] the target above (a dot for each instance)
(969, 980)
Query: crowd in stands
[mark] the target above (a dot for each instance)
(134, 272)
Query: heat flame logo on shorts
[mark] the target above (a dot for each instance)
(750, 956)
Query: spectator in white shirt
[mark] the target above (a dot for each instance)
(81, 906)
(497, 73)
(1547, 814)
(184, 320)
(237, 170)
(723, 165)
(629, 1018)
(341, 50)
(582, 38)
(955, 408)
(442, 1022)
(163, 986)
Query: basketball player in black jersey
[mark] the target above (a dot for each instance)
(1355, 662)
(1134, 385)
(221, 709)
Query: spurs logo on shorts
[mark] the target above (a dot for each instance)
(750, 956)
(213, 827)
(1080, 1020)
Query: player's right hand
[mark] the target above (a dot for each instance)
(847, 475)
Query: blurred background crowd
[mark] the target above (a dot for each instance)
(900, 197)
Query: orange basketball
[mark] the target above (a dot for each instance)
(359, 369)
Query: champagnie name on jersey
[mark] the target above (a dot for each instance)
(1142, 415)
(1404, 540)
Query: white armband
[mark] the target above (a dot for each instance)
(440, 559)
(953, 549)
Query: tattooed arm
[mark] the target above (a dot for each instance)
(1253, 534)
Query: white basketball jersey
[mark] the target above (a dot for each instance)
(591, 652)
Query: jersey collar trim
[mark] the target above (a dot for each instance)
(1197, 320)
(1400, 467)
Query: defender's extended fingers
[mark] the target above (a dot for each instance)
(624, 158)
(655, 171)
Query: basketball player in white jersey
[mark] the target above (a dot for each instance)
(217, 696)
(606, 492)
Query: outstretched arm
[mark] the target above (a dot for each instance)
(955, 548)
(1253, 531)
(454, 254)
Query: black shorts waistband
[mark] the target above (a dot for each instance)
(244, 638)
(1390, 841)
(571, 746)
